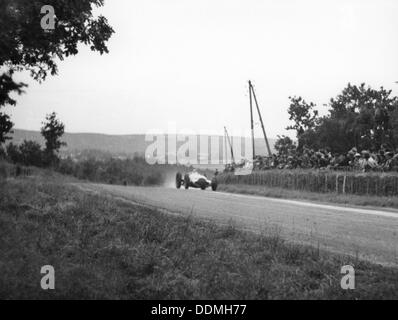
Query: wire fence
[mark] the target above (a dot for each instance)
(324, 181)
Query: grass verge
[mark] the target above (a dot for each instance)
(102, 248)
(333, 198)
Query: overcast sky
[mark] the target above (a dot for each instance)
(188, 62)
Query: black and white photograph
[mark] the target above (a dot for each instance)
(220, 152)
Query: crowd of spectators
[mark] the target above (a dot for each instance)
(383, 160)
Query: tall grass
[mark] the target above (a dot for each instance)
(5, 169)
(321, 181)
(8, 170)
(116, 171)
(104, 248)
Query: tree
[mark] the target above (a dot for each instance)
(284, 145)
(365, 115)
(359, 117)
(24, 45)
(5, 127)
(331, 133)
(7, 85)
(52, 131)
(303, 115)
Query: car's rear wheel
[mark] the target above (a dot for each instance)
(186, 181)
(178, 180)
(202, 184)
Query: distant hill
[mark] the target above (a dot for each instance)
(115, 145)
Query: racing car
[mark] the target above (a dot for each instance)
(195, 180)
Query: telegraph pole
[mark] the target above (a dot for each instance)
(251, 119)
(230, 144)
(225, 148)
(261, 119)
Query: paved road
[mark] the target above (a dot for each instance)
(368, 234)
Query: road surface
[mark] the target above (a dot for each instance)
(365, 233)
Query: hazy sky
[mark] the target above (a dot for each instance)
(188, 61)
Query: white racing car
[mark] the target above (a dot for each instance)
(195, 180)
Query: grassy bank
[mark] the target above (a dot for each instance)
(103, 248)
(135, 171)
(333, 198)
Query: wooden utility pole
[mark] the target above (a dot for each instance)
(225, 148)
(261, 119)
(230, 145)
(251, 119)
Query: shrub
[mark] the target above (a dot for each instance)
(66, 167)
(3, 154)
(13, 153)
(153, 179)
(31, 153)
(4, 170)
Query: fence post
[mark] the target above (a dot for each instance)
(337, 183)
(344, 184)
(326, 183)
(367, 185)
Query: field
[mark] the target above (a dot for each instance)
(101, 247)
(320, 181)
